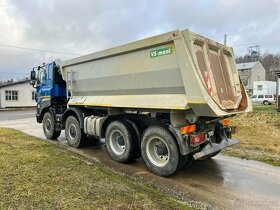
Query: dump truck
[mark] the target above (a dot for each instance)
(166, 99)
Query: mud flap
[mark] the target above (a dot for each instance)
(211, 148)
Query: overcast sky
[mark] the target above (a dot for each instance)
(85, 26)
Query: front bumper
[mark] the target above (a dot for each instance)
(39, 118)
(212, 148)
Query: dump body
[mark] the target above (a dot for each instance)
(178, 70)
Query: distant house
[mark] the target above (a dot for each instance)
(251, 72)
(17, 95)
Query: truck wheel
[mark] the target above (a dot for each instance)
(49, 126)
(121, 141)
(74, 135)
(160, 151)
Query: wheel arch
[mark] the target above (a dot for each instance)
(76, 112)
(107, 122)
(140, 121)
(42, 109)
(42, 113)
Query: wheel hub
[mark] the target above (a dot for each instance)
(48, 125)
(157, 152)
(72, 131)
(117, 142)
(160, 148)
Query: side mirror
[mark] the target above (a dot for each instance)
(33, 75)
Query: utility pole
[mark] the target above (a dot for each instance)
(225, 40)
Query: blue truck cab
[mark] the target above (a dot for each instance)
(50, 84)
(51, 95)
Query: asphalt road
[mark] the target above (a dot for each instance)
(221, 183)
(17, 114)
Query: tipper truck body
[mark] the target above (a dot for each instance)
(165, 99)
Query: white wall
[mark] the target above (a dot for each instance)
(24, 96)
(258, 73)
(267, 87)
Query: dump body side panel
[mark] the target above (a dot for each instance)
(129, 74)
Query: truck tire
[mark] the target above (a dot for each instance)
(160, 151)
(74, 134)
(49, 126)
(138, 133)
(121, 141)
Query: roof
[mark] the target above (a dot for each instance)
(15, 83)
(249, 65)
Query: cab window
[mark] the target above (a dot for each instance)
(41, 76)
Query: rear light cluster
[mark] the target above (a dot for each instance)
(230, 129)
(225, 122)
(233, 129)
(195, 138)
(188, 129)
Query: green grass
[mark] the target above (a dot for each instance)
(259, 134)
(37, 175)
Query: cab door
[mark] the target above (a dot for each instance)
(44, 83)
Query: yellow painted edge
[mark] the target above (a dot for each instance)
(109, 105)
(197, 102)
(44, 96)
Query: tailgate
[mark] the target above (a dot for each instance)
(217, 71)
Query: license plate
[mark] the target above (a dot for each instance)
(211, 133)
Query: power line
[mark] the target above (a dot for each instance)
(263, 43)
(37, 50)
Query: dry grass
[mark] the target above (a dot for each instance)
(259, 134)
(37, 175)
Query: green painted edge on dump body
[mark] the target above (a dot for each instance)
(161, 52)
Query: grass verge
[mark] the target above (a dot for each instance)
(37, 175)
(259, 134)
